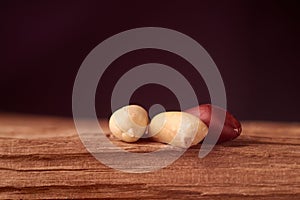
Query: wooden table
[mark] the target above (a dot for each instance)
(43, 157)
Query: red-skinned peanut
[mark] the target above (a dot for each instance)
(232, 127)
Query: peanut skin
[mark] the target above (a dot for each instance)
(232, 127)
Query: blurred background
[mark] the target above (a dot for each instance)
(255, 45)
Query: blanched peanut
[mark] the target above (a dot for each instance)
(129, 123)
(179, 129)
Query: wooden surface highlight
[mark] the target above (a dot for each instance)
(43, 157)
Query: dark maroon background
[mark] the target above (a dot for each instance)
(255, 44)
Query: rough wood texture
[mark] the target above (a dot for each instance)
(43, 157)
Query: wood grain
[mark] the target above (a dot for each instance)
(43, 157)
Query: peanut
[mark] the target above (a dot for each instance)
(129, 123)
(232, 127)
(179, 129)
